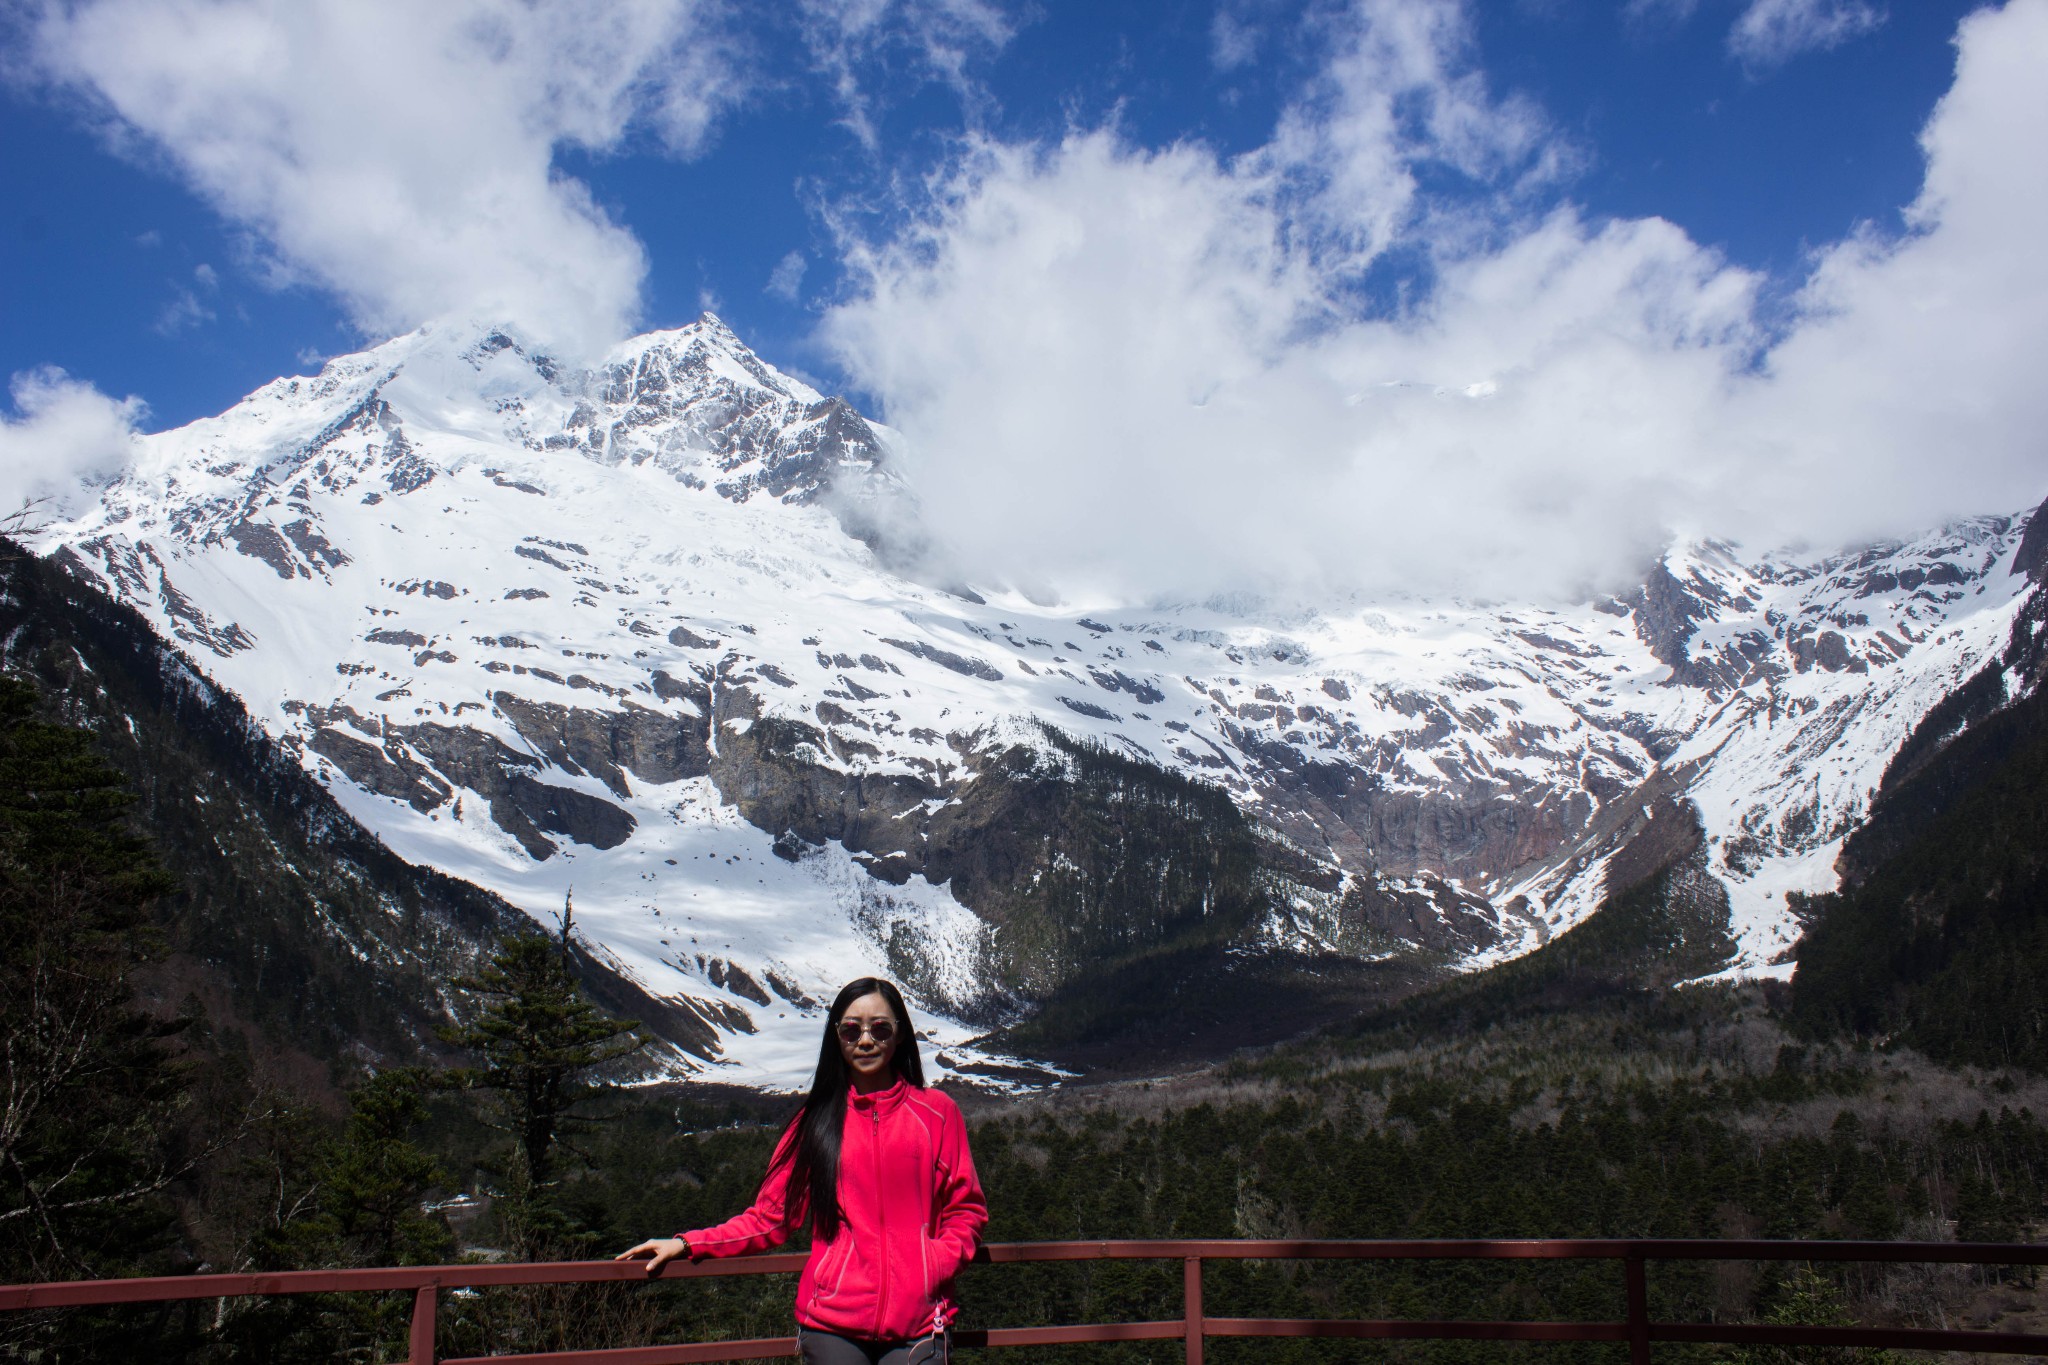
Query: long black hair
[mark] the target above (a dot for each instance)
(814, 1156)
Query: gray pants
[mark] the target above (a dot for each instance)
(823, 1348)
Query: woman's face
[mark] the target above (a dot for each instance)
(867, 1056)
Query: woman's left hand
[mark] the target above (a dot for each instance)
(661, 1250)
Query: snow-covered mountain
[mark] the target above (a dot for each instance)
(655, 633)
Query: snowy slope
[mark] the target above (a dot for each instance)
(511, 614)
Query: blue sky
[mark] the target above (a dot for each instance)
(97, 270)
(206, 195)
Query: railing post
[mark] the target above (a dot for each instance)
(1638, 1310)
(425, 1299)
(1191, 1288)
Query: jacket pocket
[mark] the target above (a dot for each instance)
(832, 1267)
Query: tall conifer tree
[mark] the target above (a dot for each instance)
(543, 1045)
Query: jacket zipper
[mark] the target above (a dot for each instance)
(881, 1210)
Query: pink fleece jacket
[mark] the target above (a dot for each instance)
(911, 1214)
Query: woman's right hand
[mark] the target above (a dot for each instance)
(661, 1250)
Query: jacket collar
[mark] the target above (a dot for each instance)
(884, 1100)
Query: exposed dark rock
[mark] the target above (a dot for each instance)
(1665, 615)
(405, 472)
(2031, 558)
(833, 714)
(260, 540)
(528, 552)
(137, 567)
(1828, 651)
(388, 773)
(1116, 680)
(733, 977)
(691, 689)
(513, 484)
(567, 545)
(959, 663)
(1076, 863)
(803, 469)
(482, 763)
(682, 637)
(653, 745)
(1089, 708)
(788, 990)
(1376, 917)
(411, 639)
(1668, 611)
(314, 546)
(522, 805)
(563, 810)
(1658, 834)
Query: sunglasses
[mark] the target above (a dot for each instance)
(881, 1030)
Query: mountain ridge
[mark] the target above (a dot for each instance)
(658, 632)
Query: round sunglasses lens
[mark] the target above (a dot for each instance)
(882, 1032)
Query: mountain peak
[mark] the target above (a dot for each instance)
(540, 626)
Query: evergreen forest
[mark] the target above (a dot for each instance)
(181, 1096)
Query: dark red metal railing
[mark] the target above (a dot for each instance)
(1192, 1328)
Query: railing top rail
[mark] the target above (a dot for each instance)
(1545, 1248)
(74, 1293)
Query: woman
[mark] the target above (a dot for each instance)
(881, 1166)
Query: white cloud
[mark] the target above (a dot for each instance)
(1672, 12)
(401, 155)
(788, 276)
(1147, 371)
(1233, 41)
(185, 308)
(1771, 32)
(62, 432)
(1912, 382)
(859, 45)
(1401, 94)
(182, 311)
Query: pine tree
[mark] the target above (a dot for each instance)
(89, 1093)
(542, 1044)
(375, 1177)
(341, 1199)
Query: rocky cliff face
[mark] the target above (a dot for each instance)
(289, 918)
(645, 631)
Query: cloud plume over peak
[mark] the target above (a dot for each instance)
(62, 432)
(1147, 371)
